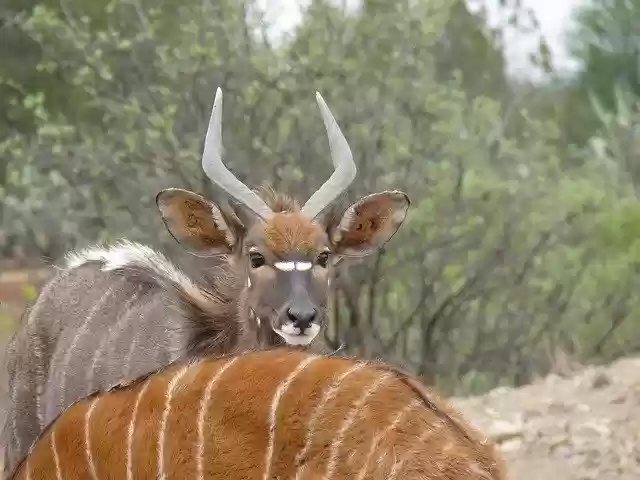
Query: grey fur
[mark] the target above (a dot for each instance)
(112, 315)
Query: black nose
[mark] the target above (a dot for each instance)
(301, 319)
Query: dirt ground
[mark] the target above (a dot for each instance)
(582, 427)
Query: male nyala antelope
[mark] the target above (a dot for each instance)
(126, 310)
(271, 414)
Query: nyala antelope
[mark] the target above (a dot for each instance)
(271, 414)
(126, 310)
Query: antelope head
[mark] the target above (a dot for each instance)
(285, 253)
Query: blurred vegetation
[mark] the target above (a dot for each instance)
(523, 234)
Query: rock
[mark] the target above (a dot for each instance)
(511, 445)
(559, 408)
(600, 380)
(585, 426)
(500, 431)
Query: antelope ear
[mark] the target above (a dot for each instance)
(369, 223)
(196, 223)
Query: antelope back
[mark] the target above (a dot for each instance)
(89, 329)
(271, 414)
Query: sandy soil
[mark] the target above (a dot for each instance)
(581, 427)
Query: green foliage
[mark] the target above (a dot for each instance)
(604, 41)
(29, 292)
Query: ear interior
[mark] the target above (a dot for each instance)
(369, 223)
(196, 223)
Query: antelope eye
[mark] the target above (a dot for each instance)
(257, 259)
(323, 259)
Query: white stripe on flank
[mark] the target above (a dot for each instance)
(87, 438)
(45, 291)
(27, 462)
(56, 458)
(380, 435)
(397, 466)
(128, 359)
(83, 329)
(108, 336)
(204, 404)
(275, 402)
(14, 416)
(165, 416)
(349, 419)
(132, 427)
(38, 352)
(331, 392)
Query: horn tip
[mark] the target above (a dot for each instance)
(217, 102)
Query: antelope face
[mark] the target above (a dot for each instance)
(288, 260)
(286, 252)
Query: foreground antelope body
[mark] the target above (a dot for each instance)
(126, 310)
(264, 415)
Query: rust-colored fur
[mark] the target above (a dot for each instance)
(292, 232)
(370, 221)
(430, 440)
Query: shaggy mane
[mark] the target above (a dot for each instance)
(277, 201)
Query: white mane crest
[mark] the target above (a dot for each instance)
(126, 253)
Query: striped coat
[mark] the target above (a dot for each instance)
(264, 415)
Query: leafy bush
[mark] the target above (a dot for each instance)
(504, 256)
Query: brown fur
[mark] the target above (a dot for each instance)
(369, 219)
(293, 232)
(191, 219)
(238, 418)
(289, 231)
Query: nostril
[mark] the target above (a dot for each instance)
(302, 320)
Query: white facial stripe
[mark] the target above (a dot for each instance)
(291, 266)
(285, 266)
